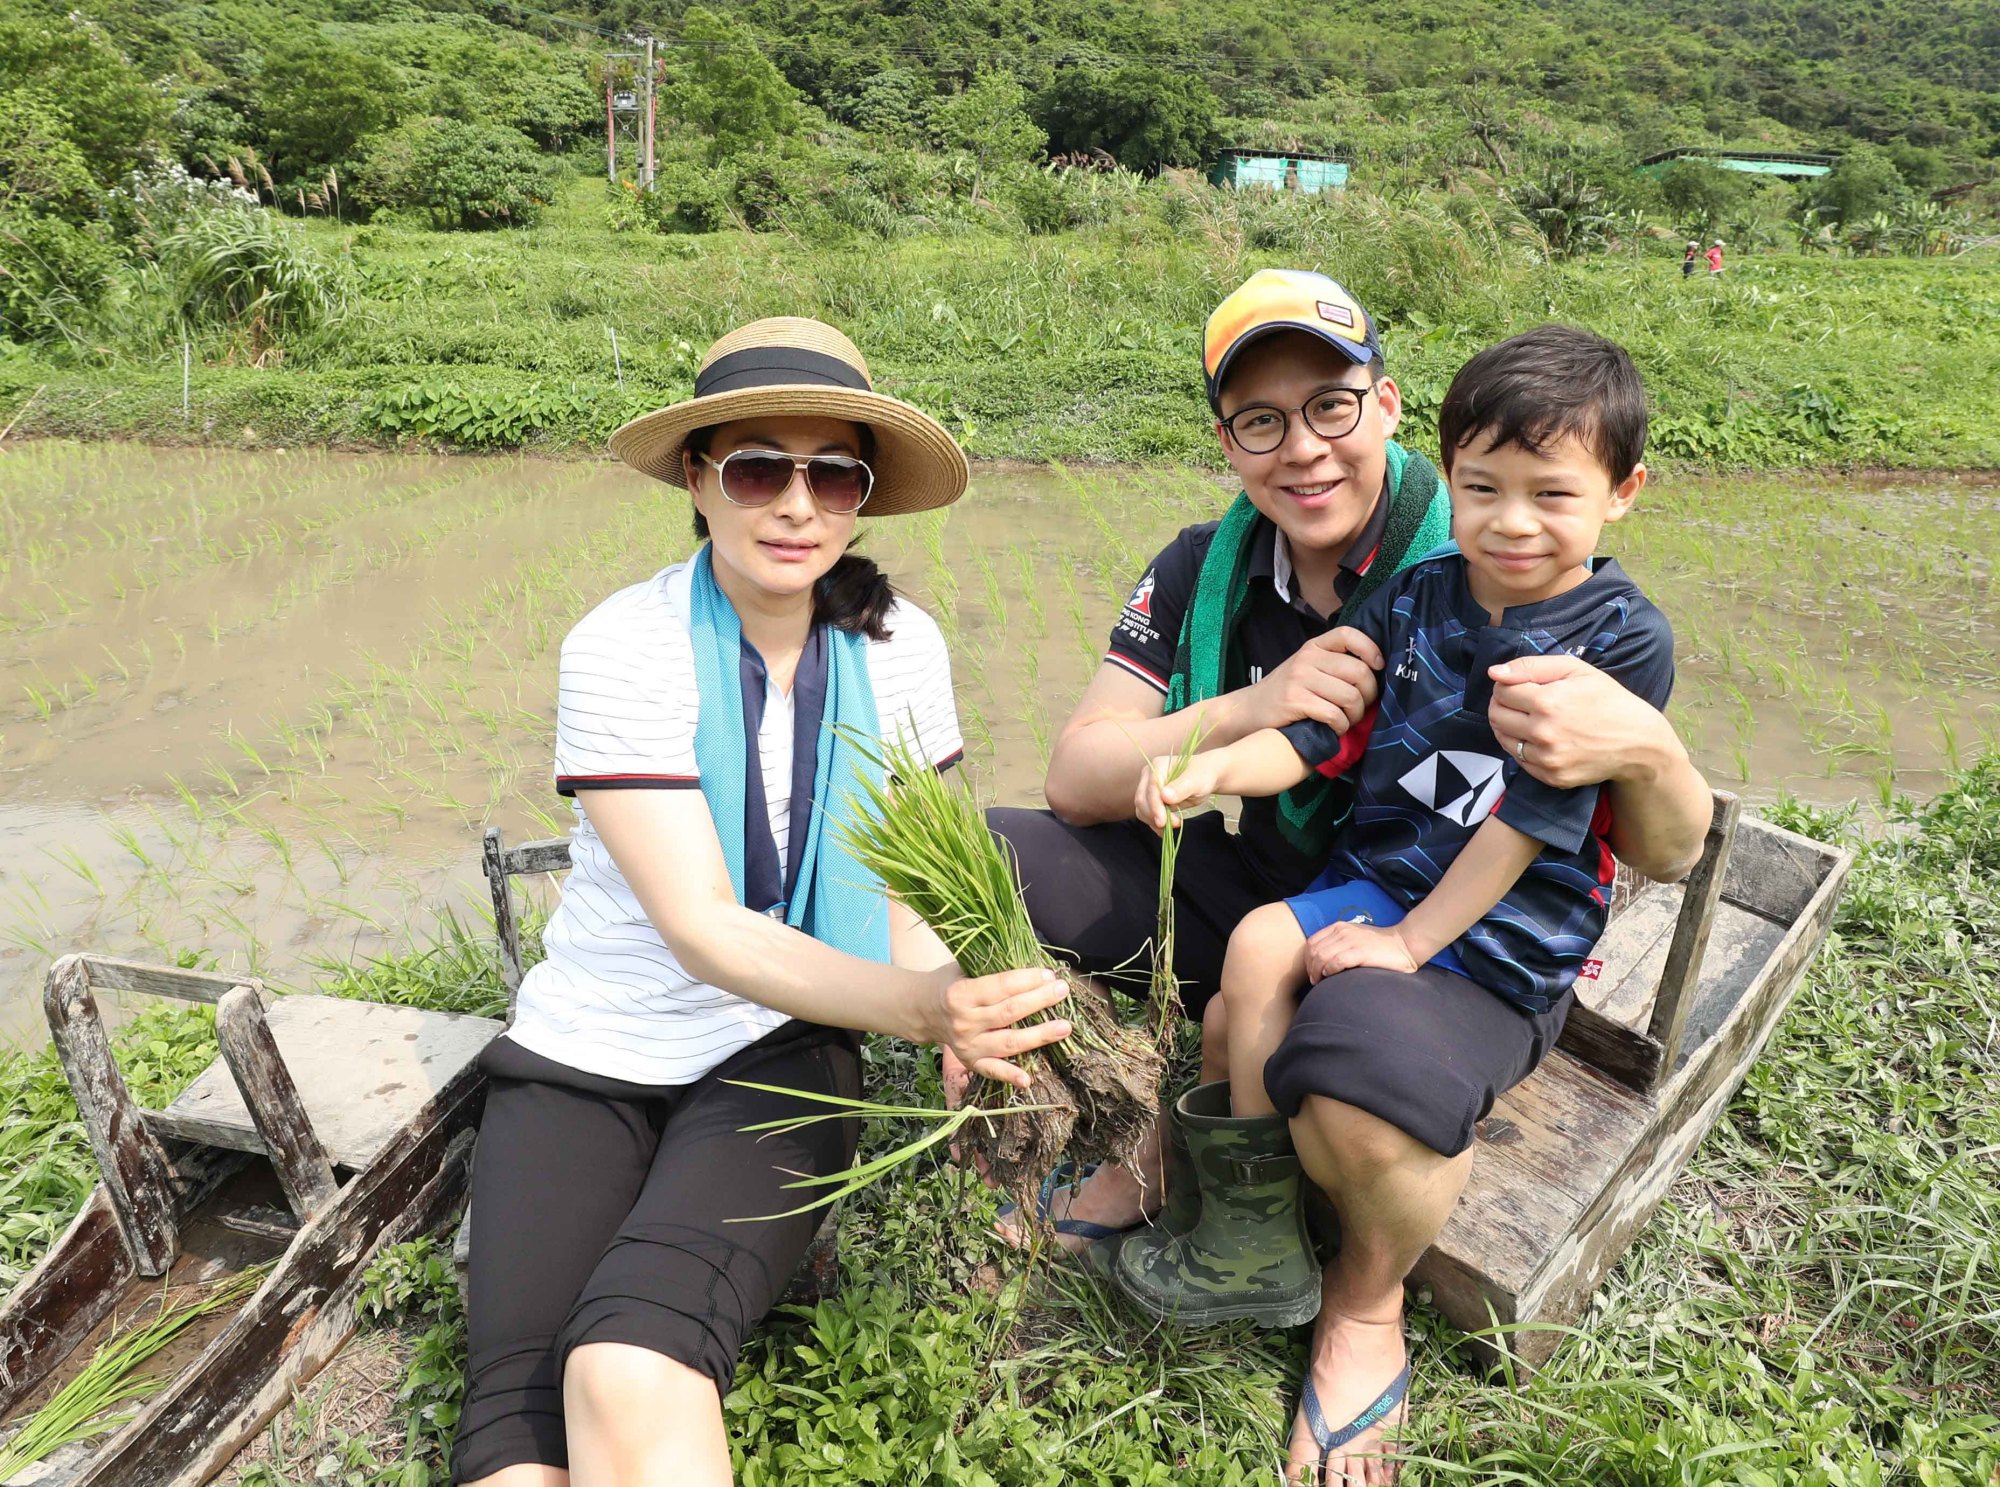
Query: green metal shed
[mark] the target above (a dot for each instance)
(1278, 170)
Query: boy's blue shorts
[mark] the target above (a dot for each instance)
(1356, 901)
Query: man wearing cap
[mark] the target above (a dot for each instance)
(1225, 633)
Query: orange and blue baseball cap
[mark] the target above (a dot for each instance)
(1275, 299)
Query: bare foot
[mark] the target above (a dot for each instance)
(1111, 1196)
(1353, 1360)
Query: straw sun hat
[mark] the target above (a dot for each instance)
(792, 367)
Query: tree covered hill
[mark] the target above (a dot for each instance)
(1429, 85)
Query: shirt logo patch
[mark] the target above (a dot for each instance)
(1141, 602)
(1460, 786)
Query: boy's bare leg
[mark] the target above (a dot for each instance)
(1261, 977)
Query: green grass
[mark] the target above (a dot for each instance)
(1818, 1302)
(1078, 346)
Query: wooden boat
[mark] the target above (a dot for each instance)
(326, 1130)
(1573, 1161)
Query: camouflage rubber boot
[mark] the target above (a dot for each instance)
(1247, 1254)
(1182, 1209)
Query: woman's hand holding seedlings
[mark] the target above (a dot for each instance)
(973, 1020)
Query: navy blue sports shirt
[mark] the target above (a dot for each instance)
(1430, 770)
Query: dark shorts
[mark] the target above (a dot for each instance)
(598, 1215)
(1427, 1052)
(1093, 894)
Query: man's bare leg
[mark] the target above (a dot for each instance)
(1393, 1194)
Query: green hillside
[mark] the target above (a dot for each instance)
(151, 152)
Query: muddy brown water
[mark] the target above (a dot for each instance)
(259, 706)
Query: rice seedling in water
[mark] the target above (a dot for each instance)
(1099, 1087)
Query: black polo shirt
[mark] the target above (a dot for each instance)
(1276, 622)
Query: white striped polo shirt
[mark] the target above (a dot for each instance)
(610, 998)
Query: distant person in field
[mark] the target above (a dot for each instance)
(1227, 632)
(1715, 256)
(1690, 260)
(713, 928)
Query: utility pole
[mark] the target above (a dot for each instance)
(652, 109)
(631, 107)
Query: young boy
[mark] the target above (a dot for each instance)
(1456, 860)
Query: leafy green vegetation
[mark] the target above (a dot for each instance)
(1816, 1304)
(1079, 346)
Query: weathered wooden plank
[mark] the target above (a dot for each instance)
(1678, 978)
(109, 973)
(362, 1069)
(506, 928)
(551, 856)
(1622, 1053)
(129, 1157)
(1775, 872)
(177, 1125)
(304, 1173)
(304, 1312)
(69, 1292)
(1633, 950)
(1544, 1154)
(1738, 948)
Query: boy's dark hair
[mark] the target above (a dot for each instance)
(854, 594)
(1543, 385)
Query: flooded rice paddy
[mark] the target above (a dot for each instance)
(258, 707)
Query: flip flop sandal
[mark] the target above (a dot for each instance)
(1064, 1179)
(1330, 1441)
(1063, 1175)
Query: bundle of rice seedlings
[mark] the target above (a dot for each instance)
(88, 1405)
(1098, 1089)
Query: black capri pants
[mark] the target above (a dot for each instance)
(599, 1214)
(1428, 1053)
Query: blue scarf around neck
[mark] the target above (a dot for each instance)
(837, 901)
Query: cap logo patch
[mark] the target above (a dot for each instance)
(1338, 314)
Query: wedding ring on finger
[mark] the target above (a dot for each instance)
(1521, 750)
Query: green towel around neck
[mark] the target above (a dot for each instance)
(1309, 814)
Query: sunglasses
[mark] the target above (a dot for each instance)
(757, 477)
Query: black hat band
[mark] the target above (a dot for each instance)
(776, 366)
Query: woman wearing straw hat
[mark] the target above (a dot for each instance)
(712, 928)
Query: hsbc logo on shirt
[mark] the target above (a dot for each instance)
(1460, 786)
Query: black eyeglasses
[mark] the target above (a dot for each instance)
(757, 477)
(1332, 414)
